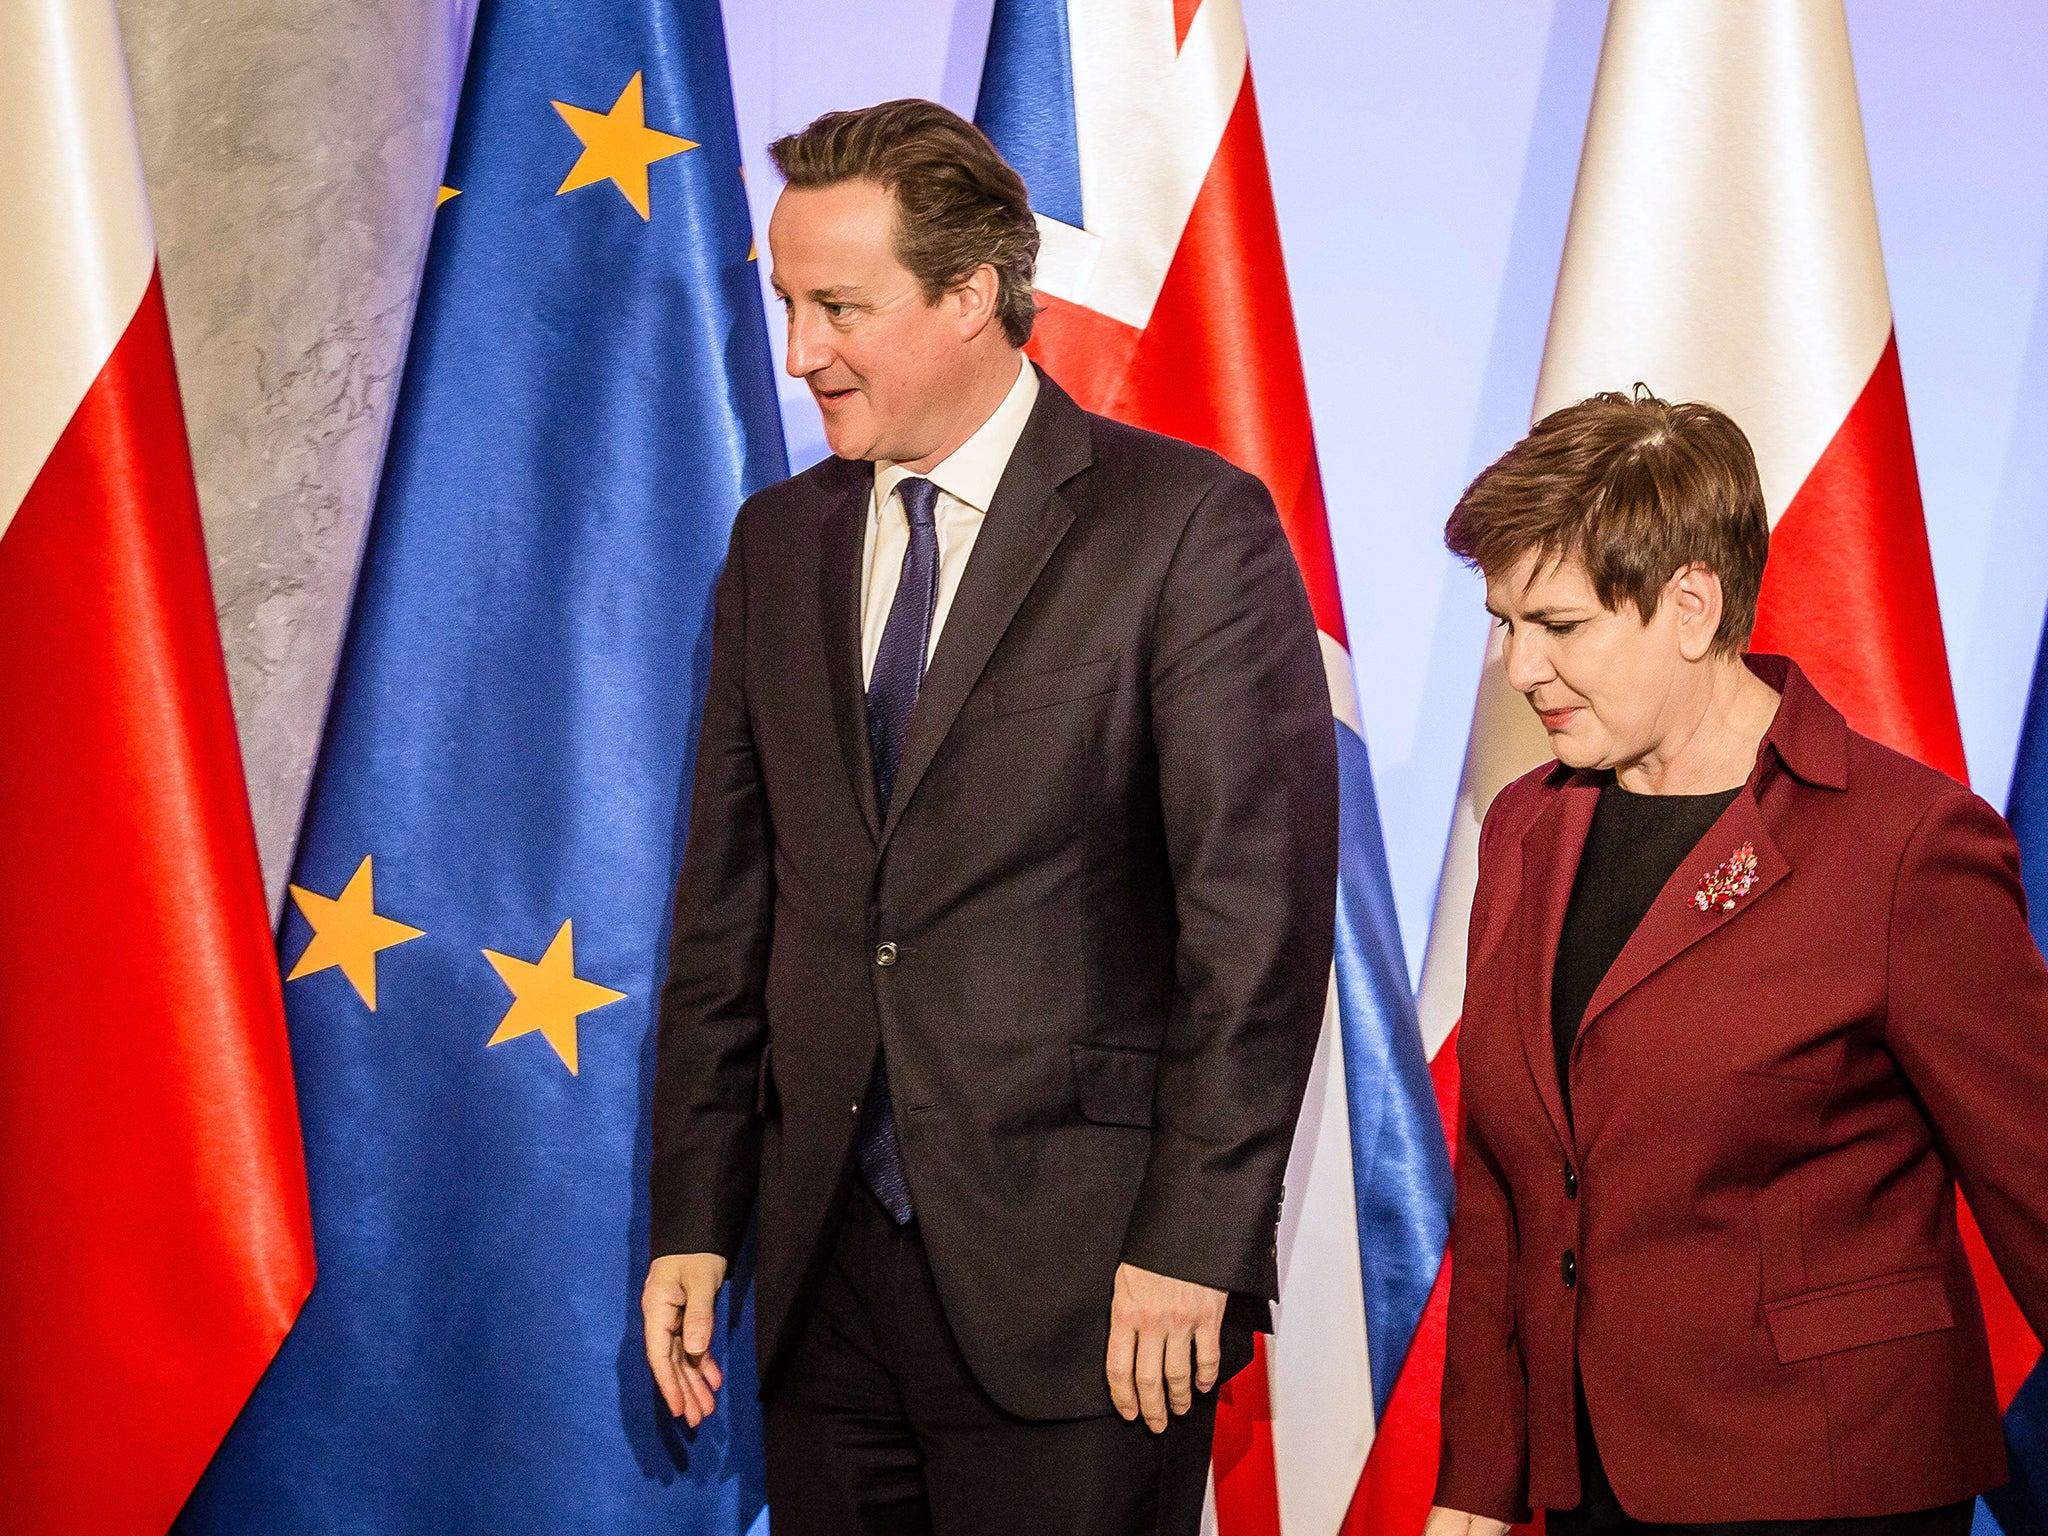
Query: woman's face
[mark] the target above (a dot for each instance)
(1603, 681)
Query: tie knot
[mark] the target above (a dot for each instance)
(920, 501)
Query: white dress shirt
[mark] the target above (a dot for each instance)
(967, 480)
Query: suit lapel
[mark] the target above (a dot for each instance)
(1673, 924)
(1550, 860)
(844, 526)
(1023, 527)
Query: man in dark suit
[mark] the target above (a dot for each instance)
(1004, 929)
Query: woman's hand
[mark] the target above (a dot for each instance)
(1455, 1522)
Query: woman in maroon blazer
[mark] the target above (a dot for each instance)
(1748, 995)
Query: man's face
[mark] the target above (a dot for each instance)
(884, 365)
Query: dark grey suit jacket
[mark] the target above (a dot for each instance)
(1107, 874)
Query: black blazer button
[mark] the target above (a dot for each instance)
(885, 954)
(1568, 1268)
(1571, 1183)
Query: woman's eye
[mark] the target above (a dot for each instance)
(1561, 630)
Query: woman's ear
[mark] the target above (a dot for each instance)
(1695, 595)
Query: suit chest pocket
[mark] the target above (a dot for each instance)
(1015, 694)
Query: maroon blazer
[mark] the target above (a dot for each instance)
(1748, 1236)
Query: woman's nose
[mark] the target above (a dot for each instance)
(1527, 666)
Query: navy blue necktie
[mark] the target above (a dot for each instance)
(892, 695)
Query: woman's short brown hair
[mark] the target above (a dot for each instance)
(959, 206)
(1634, 489)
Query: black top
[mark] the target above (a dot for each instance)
(1635, 844)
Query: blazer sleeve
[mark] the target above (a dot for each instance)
(1483, 1467)
(1967, 1021)
(1247, 771)
(712, 1029)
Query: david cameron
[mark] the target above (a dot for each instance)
(1003, 930)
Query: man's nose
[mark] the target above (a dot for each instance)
(806, 353)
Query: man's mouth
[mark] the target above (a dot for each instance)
(831, 396)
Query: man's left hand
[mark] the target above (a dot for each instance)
(1156, 1324)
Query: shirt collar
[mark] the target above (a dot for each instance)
(1808, 733)
(971, 472)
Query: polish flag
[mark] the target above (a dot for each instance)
(152, 1193)
(1723, 247)
(1165, 305)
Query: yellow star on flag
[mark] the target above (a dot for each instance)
(348, 932)
(445, 193)
(548, 996)
(618, 146)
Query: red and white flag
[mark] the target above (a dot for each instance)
(152, 1189)
(1723, 247)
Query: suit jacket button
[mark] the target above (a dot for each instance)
(1568, 1268)
(885, 954)
(1571, 1183)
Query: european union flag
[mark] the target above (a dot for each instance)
(479, 908)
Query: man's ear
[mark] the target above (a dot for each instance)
(976, 294)
(1695, 593)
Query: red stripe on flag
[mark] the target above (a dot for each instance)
(152, 1185)
(2014, 1350)
(1394, 1495)
(1849, 589)
(1218, 363)
(1400, 1472)
(1247, 1483)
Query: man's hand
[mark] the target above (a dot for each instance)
(676, 1310)
(1155, 1323)
(1455, 1522)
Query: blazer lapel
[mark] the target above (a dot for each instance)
(1550, 861)
(1674, 924)
(844, 526)
(1023, 527)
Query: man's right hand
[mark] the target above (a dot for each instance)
(1455, 1522)
(677, 1306)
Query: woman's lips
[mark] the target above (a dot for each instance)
(1556, 719)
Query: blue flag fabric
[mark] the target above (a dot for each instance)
(478, 921)
(2020, 1508)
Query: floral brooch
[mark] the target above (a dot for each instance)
(1721, 887)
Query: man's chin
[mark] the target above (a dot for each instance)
(847, 443)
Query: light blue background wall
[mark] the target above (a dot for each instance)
(1423, 158)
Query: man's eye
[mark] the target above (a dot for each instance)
(838, 311)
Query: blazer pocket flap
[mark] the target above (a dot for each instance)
(1868, 1312)
(1115, 1084)
(1035, 690)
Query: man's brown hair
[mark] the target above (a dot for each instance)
(1634, 489)
(958, 203)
